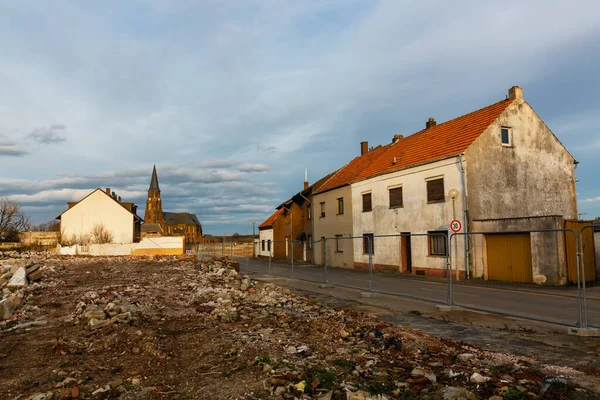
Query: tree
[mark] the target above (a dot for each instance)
(50, 226)
(12, 220)
(101, 235)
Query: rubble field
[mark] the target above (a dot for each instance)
(179, 328)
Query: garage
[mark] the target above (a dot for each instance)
(509, 257)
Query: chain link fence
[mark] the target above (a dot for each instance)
(540, 275)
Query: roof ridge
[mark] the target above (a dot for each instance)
(453, 119)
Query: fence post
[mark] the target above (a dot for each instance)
(270, 255)
(450, 301)
(324, 240)
(371, 245)
(581, 261)
(292, 245)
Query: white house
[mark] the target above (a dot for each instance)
(265, 235)
(495, 170)
(100, 211)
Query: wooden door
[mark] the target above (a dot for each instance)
(589, 255)
(509, 257)
(405, 252)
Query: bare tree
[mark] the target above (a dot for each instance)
(101, 235)
(12, 220)
(50, 226)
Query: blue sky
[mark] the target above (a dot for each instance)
(232, 100)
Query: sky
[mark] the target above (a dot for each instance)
(232, 100)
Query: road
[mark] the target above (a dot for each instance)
(560, 307)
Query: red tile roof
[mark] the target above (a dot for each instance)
(269, 221)
(440, 141)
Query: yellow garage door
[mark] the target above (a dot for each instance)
(509, 257)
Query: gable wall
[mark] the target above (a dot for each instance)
(533, 177)
(98, 208)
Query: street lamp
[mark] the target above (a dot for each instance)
(253, 239)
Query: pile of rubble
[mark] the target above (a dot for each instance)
(19, 277)
(130, 313)
(103, 308)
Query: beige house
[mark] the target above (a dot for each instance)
(100, 213)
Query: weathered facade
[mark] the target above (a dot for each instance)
(496, 169)
(159, 222)
(100, 210)
(335, 226)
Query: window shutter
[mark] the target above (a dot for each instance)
(396, 197)
(367, 202)
(435, 190)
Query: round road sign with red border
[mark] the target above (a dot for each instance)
(455, 226)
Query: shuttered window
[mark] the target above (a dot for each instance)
(367, 206)
(435, 190)
(396, 197)
(368, 245)
(340, 205)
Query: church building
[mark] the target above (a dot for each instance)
(163, 223)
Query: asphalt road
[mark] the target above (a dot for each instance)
(556, 306)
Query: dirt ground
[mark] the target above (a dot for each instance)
(167, 328)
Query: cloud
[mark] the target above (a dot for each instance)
(592, 200)
(48, 135)
(253, 167)
(11, 150)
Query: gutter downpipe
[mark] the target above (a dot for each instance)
(465, 217)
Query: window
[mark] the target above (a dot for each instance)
(435, 190)
(309, 241)
(368, 240)
(339, 245)
(438, 243)
(308, 210)
(367, 206)
(268, 245)
(396, 197)
(322, 209)
(263, 245)
(505, 135)
(340, 205)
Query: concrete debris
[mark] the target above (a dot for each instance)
(171, 327)
(18, 280)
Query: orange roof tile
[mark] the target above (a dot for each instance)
(440, 141)
(269, 221)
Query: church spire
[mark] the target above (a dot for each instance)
(154, 181)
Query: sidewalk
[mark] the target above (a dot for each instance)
(592, 288)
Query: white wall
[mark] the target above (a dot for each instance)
(331, 225)
(98, 208)
(416, 216)
(266, 235)
(108, 249)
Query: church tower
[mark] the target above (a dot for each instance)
(154, 213)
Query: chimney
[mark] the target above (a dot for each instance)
(515, 92)
(364, 148)
(397, 137)
(108, 191)
(305, 178)
(430, 122)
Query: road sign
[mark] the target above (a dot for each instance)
(455, 226)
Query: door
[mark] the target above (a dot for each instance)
(509, 257)
(405, 252)
(589, 255)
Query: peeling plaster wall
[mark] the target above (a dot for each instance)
(416, 216)
(532, 177)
